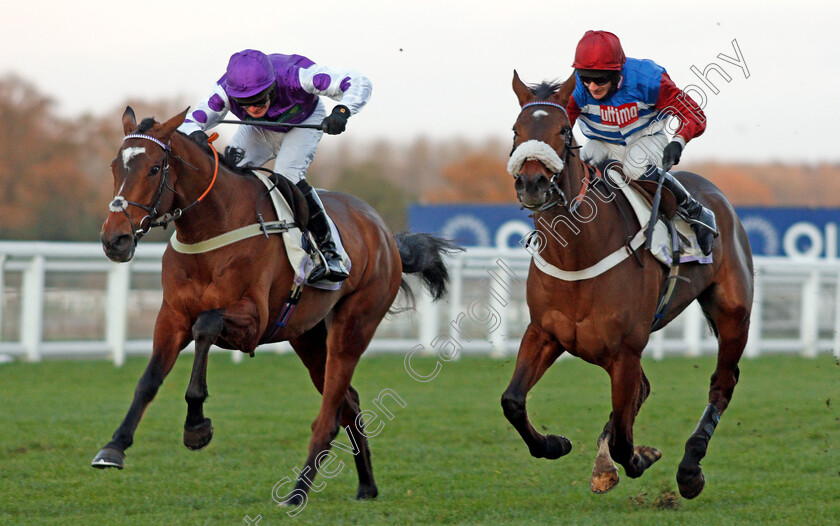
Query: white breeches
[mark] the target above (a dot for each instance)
(635, 156)
(292, 151)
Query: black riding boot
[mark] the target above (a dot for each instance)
(701, 219)
(334, 270)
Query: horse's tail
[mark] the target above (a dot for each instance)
(423, 254)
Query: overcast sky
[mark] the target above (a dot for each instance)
(443, 68)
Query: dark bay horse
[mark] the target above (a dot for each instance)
(606, 319)
(231, 296)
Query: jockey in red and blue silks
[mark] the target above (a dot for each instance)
(623, 105)
(284, 89)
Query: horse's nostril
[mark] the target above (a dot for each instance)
(118, 243)
(542, 183)
(123, 242)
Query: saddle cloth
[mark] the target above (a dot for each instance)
(293, 240)
(661, 245)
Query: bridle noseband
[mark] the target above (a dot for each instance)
(554, 186)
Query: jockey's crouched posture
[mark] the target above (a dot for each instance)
(284, 89)
(623, 105)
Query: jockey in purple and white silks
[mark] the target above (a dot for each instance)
(284, 89)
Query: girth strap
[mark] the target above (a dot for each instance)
(228, 238)
(671, 279)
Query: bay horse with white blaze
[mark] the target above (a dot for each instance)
(605, 317)
(232, 295)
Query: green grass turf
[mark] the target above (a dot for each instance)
(447, 457)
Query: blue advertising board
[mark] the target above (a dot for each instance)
(792, 232)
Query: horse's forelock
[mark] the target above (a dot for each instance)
(145, 125)
(545, 89)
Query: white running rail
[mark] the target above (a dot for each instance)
(69, 300)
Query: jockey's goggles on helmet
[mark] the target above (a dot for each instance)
(262, 98)
(597, 76)
(597, 82)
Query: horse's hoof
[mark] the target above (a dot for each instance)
(367, 493)
(643, 458)
(604, 481)
(690, 488)
(604, 472)
(109, 457)
(649, 454)
(294, 501)
(556, 446)
(197, 437)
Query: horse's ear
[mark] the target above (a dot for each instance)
(522, 92)
(565, 92)
(168, 127)
(129, 121)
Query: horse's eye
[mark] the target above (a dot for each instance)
(154, 171)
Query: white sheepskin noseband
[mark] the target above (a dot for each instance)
(534, 150)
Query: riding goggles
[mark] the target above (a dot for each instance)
(263, 100)
(601, 81)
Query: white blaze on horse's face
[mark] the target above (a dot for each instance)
(130, 153)
(539, 113)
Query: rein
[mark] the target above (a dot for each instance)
(578, 199)
(120, 204)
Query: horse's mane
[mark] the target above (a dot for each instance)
(545, 89)
(147, 123)
(223, 159)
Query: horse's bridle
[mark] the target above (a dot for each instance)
(120, 204)
(554, 186)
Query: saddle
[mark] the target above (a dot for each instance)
(647, 189)
(667, 202)
(290, 204)
(291, 193)
(671, 233)
(293, 196)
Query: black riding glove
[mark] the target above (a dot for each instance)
(336, 121)
(671, 155)
(200, 137)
